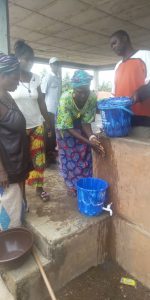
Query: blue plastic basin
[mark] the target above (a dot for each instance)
(116, 116)
(91, 194)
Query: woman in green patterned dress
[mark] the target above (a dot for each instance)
(75, 139)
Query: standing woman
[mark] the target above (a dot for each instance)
(14, 154)
(31, 102)
(76, 112)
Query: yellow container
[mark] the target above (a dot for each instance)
(128, 281)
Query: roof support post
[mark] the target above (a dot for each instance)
(96, 79)
(4, 24)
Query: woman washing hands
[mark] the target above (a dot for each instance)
(97, 146)
(76, 112)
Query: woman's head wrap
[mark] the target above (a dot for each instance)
(81, 78)
(8, 63)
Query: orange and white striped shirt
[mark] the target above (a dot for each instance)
(130, 75)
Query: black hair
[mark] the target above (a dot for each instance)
(21, 48)
(120, 34)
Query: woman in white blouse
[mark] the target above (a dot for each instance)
(31, 102)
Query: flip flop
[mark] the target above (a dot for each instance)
(44, 196)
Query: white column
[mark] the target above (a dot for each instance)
(4, 24)
(96, 79)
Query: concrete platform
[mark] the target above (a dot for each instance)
(69, 243)
(134, 255)
(24, 280)
(128, 161)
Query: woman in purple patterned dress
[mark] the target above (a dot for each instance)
(76, 112)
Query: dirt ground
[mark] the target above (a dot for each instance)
(103, 283)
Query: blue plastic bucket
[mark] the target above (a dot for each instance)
(91, 194)
(116, 116)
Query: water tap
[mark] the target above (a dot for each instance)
(108, 208)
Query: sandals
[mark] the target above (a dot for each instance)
(44, 196)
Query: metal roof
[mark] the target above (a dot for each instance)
(78, 30)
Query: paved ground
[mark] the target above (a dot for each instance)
(103, 283)
(56, 188)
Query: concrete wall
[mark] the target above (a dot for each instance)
(127, 169)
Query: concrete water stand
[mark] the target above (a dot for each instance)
(68, 243)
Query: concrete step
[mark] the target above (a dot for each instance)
(24, 280)
(4, 292)
(69, 242)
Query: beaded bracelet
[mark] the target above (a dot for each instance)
(91, 137)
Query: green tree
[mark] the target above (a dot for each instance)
(105, 86)
(66, 85)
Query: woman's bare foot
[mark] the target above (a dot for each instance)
(72, 192)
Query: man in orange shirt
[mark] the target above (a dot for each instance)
(132, 76)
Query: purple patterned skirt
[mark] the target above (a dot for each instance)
(75, 158)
